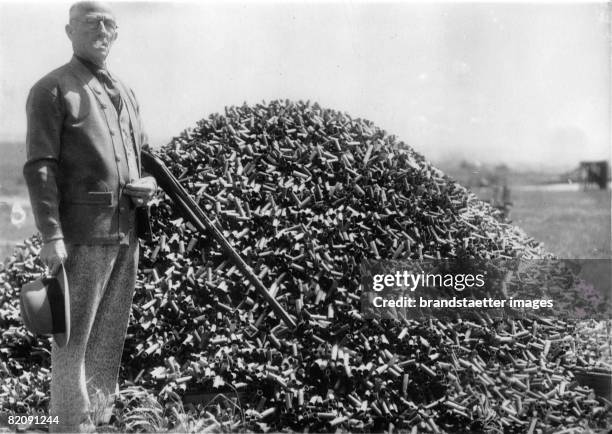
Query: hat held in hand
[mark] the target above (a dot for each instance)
(45, 306)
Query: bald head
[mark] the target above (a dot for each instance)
(92, 29)
(80, 9)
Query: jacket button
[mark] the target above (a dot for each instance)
(117, 159)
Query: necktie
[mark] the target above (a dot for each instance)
(110, 86)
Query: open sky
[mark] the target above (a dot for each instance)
(520, 83)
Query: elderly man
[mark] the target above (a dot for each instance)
(84, 178)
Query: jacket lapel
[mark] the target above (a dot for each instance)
(89, 80)
(132, 115)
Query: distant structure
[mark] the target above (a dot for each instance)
(594, 173)
(501, 198)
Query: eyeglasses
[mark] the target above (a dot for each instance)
(94, 22)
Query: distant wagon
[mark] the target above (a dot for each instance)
(594, 173)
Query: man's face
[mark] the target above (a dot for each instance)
(92, 30)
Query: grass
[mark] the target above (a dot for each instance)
(571, 224)
(138, 410)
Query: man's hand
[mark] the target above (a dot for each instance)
(53, 254)
(141, 190)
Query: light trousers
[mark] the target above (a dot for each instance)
(84, 373)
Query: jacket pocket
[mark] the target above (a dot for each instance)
(99, 198)
(84, 222)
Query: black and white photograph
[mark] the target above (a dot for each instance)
(305, 216)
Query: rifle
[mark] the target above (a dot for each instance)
(181, 198)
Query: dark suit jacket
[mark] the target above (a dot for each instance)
(76, 168)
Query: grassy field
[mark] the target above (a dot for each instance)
(571, 224)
